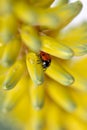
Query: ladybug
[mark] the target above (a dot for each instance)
(45, 58)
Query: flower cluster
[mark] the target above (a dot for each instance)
(53, 98)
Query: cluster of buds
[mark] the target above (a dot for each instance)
(42, 80)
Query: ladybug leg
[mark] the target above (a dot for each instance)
(44, 69)
(38, 61)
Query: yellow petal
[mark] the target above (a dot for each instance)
(35, 69)
(15, 95)
(75, 38)
(53, 117)
(60, 3)
(39, 3)
(37, 119)
(77, 67)
(53, 47)
(1, 79)
(20, 110)
(57, 18)
(11, 52)
(58, 73)
(81, 110)
(37, 95)
(60, 96)
(25, 12)
(8, 27)
(2, 47)
(5, 6)
(31, 38)
(72, 123)
(13, 75)
(3, 70)
(68, 12)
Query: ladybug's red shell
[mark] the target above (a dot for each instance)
(45, 58)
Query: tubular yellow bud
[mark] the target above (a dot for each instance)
(5, 6)
(47, 19)
(35, 69)
(76, 39)
(81, 113)
(60, 95)
(68, 12)
(37, 95)
(2, 48)
(58, 73)
(81, 110)
(62, 2)
(75, 35)
(57, 18)
(77, 68)
(11, 52)
(25, 12)
(37, 120)
(13, 75)
(72, 122)
(53, 117)
(34, 46)
(39, 3)
(54, 48)
(80, 83)
(3, 69)
(8, 27)
(80, 49)
(23, 107)
(1, 80)
(30, 38)
(16, 94)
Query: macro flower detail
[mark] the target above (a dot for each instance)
(43, 78)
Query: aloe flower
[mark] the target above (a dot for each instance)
(32, 98)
